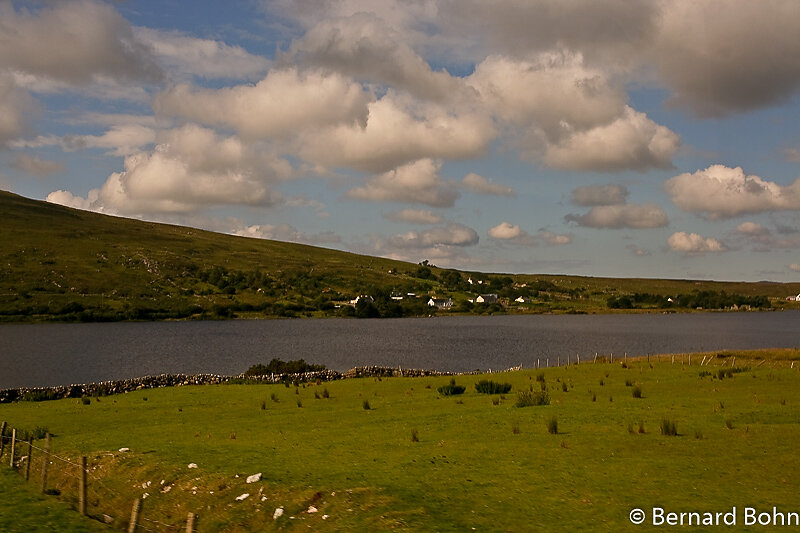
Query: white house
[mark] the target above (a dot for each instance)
(793, 298)
(396, 296)
(441, 303)
(362, 297)
(524, 300)
(487, 299)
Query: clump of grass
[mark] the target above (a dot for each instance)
(543, 386)
(485, 386)
(86, 400)
(366, 405)
(263, 405)
(274, 397)
(232, 435)
(316, 395)
(594, 397)
(783, 401)
(540, 377)
(704, 373)
(325, 393)
(528, 399)
(552, 426)
(698, 434)
(451, 389)
(628, 383)
(414, 436)
(602, 382)
(495, 401)
(729, 423)
(641, 428)
(299, 403)
(668, 428)
(631, 430)
(637, 391)
(515, 428)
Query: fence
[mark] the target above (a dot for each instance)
(75, 482)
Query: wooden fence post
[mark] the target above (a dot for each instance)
(2, 438)
(82, 487)
(28, 464)
(46, 461)
(13, 446)
(190, 522)
(137, 505)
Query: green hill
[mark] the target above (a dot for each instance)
(58, 263)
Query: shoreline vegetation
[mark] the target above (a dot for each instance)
(586, 443)
(67, 265)
(298, 371)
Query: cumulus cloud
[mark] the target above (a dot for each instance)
(190, 167)
(694, 244)
(121, 140)
(16, 106)
(593, 195)
(398, 130)
(450, 235)
(794, 267)
(479, 184)
(630, 142)
(631, 216)
(73, 42)
(514, 234)
(415, 216)
(201, 57)
(284, 102)
(723, 192)
(283, 232)
(638, 252)
(720, 57)
(363, 46)
(31, 164)
(417, 182)
(752, 228)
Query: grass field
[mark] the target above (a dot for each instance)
(418, 460)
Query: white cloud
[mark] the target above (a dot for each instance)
(120, 140)
(73, 42)
(284, 102)
(416, 216)
(638, 252)
(630, 142)
(362, 45)
(723, 192)
(189, 168)
(68, 199)
(399, 129)
(206, 58)
(450, 235)
(283, 232)
(417, 182)
(479, 184)
(593, 195)
(632, 216)
(752, 228)
(794, 267)
(31, 164)
(514, 234)
(694, 244)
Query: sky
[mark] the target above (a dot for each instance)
(655, 139)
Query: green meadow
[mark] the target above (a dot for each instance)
(375, 454)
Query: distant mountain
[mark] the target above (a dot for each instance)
(58, 263)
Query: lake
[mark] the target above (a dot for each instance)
(61, 354)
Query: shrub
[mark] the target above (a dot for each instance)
(276, 366)
(414, 436)
(552, 426)
(451, 389)
(86, 400)
(540, 377)
(637, 391)
(366, 405)
(527, 398)
(668, 427)
(564, 387)
(492, 387)
(704, 373)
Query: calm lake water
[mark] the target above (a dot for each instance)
(60, 354)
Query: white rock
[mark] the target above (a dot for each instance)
(192, 465)
(278, 513)
(242, 497)
(311, 509)
(124, 449)
(254, 478)
(324, 517)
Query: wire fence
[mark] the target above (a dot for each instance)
(75, 482)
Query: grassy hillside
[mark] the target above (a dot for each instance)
(58, 263)
(418, 460)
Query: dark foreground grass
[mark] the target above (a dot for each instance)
(420, 461)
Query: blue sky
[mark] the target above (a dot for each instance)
(653, 139)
